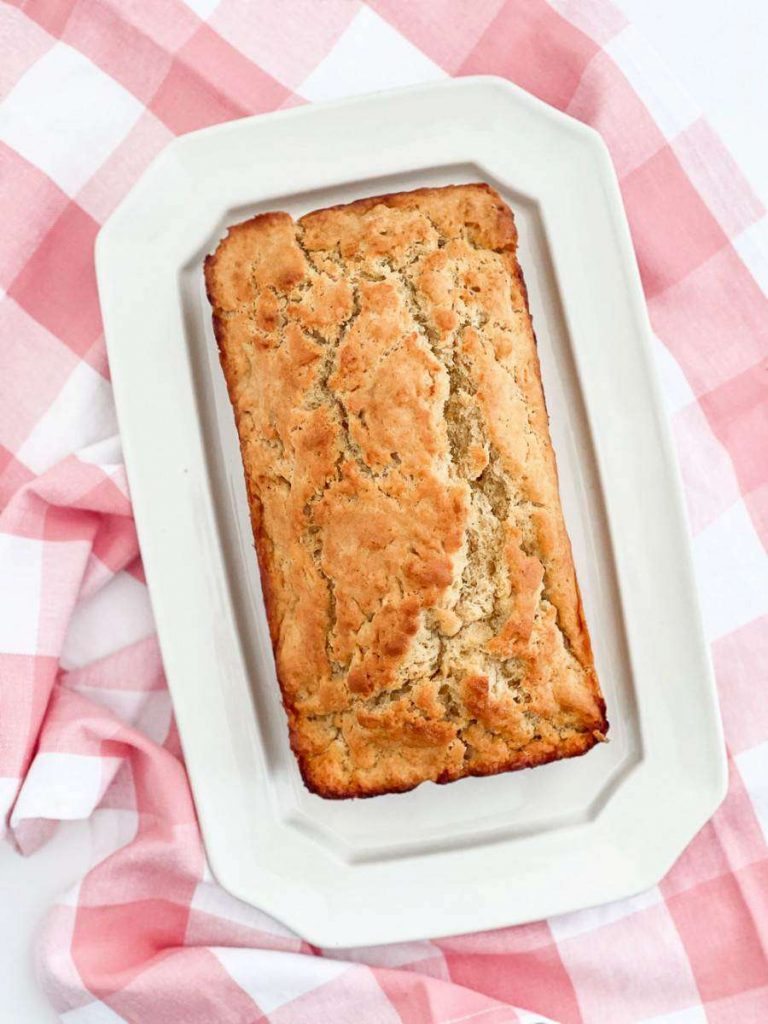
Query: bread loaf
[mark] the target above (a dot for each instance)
(416, 569)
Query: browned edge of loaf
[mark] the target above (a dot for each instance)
(575, 745)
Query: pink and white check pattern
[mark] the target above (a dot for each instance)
(93, 89)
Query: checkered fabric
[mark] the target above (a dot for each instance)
(93, 90)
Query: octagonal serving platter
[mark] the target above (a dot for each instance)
(478, 853)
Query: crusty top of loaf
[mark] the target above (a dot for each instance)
(418, 577)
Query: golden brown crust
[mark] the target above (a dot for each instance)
(417, 574)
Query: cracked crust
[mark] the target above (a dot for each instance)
(418, 578)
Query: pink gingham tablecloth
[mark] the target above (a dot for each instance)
(93, 90)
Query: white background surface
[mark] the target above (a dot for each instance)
(717, 52)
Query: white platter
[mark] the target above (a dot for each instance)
(479, 853)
